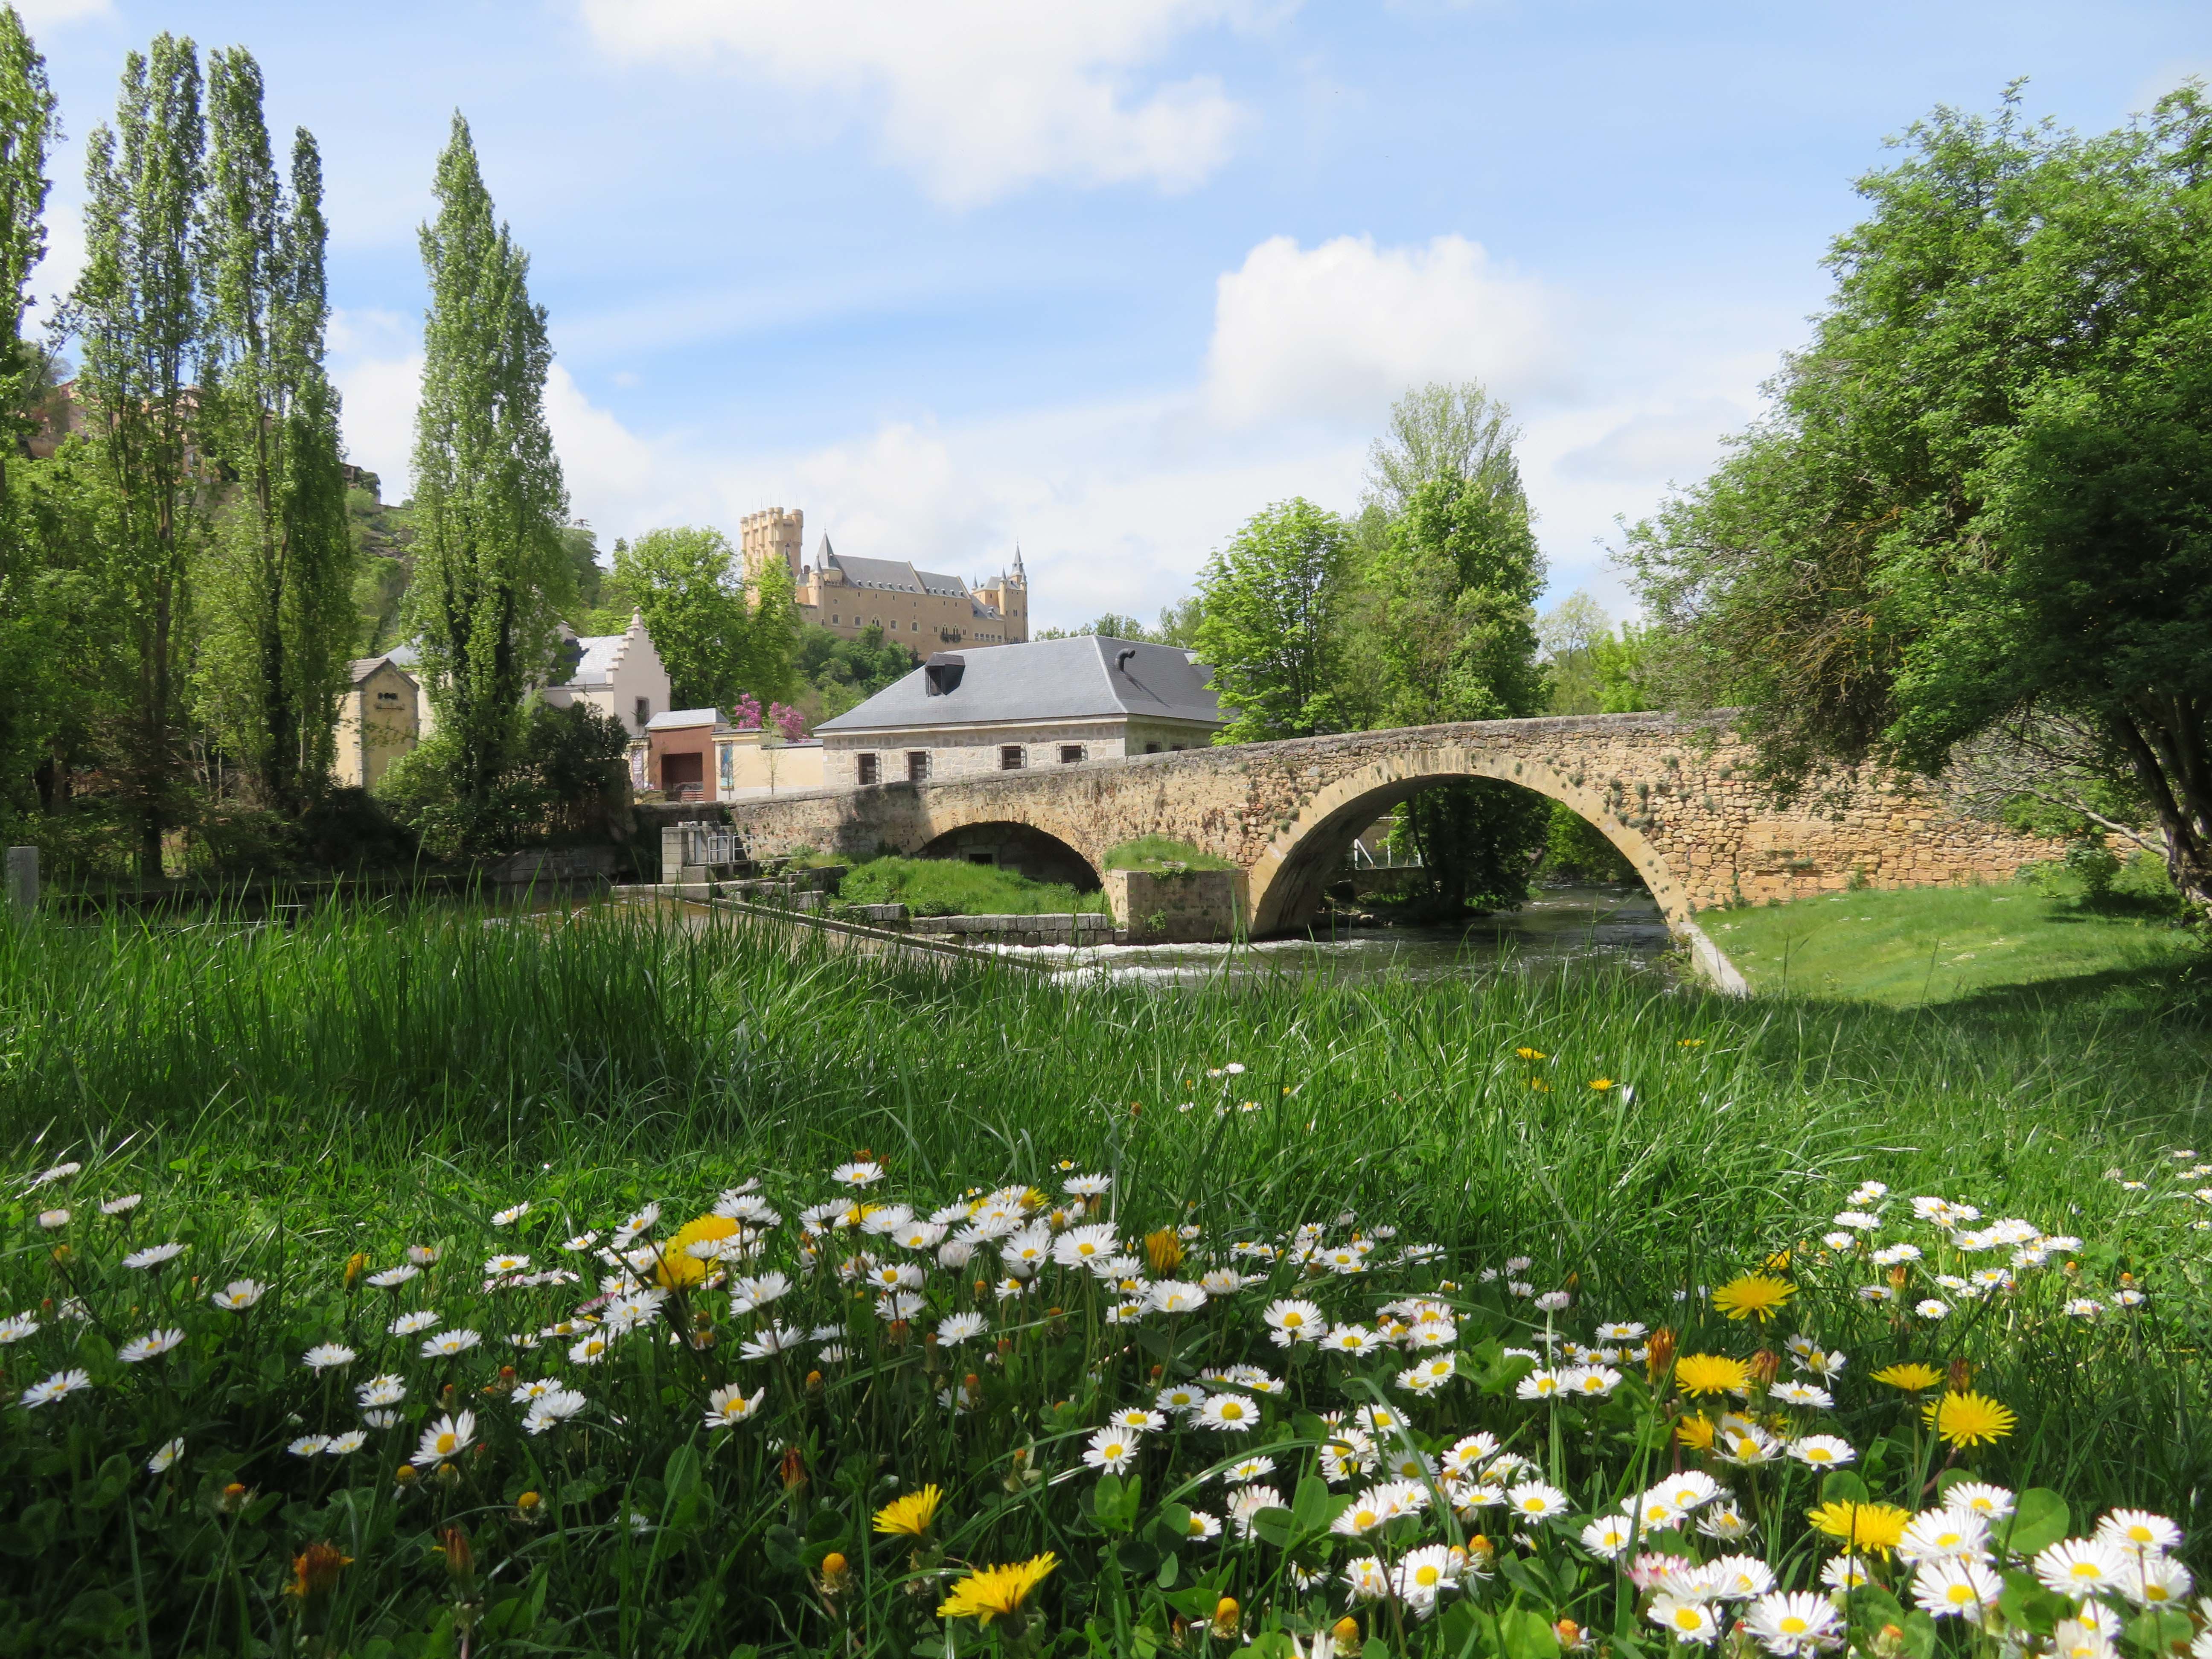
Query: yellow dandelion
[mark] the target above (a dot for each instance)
(1754, 1296)
(1532, 1054)
(1968, 1420)
(1911, 1375)
(1540, 1086)
(1710, 1373)
(678, 1266)
(1695, 1433)
(1163, 1250)
(911, 1516)
(1861, 1527)
(1690, 1042)
(987, 1592)
(1601, 1084)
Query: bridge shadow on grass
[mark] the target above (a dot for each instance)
(2179, 991)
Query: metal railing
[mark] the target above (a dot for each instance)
(705, 844)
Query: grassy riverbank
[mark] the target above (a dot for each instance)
(283, 1098)
(364, 1070)
(1956, 943)
(950, 887)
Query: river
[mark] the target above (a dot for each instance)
(1595, 925)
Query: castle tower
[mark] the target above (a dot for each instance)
(1009, 594)
(769, 534)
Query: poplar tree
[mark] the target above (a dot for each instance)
(278, 586)
(28, 126)
(138, 312)
(490, 570)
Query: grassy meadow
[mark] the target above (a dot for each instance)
(283, 1100)
(1955, 944)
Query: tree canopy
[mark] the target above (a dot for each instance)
(1983, 497)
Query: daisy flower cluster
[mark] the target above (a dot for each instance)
(1928, 1258)
(1326, 1432)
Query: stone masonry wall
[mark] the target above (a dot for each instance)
(1675, 795)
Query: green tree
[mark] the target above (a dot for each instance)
(1442, 628)
(715, 639)
(1435, 430)
(491, 574)
(1983, 498)
(1569, 633)
(837, 674)
(685, 583)
(1447, 630)
(278, 590)
(1270, 629)
(31, 692)
(137, 313)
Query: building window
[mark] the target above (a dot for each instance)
(388, 696)
(644, 712)
(1070, 754)
(868, 774)
(917, 766)
(728, 754)
(1152, 749)
(1010, 757)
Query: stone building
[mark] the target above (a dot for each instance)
(618, 674)
(1044, 704)
(923, 610)
(380, 716)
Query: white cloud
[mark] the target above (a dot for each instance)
(376, 363)
(1342, 329)
(1666, 445)
(979, 97)
(47, 14)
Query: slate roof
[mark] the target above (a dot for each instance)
(362, 667)
(596, 665)
(1047, 679)
(897, 576)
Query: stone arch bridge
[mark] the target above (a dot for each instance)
(1675, 795)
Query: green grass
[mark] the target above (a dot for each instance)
(949, 887)
(1947, 944)
(1162, 853)
(367, 1079)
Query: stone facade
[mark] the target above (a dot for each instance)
(922, 610)
(380, 713)
(1677, 796)
(972, 751)
(1153, 906)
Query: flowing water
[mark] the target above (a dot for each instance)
(1591, 926)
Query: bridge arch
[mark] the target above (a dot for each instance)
(1286, 883)
(1017, 841)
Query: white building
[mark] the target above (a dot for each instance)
(618, 674)
(1048, 702)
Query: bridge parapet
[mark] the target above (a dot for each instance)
(1677, 795)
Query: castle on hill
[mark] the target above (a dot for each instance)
(923, 610)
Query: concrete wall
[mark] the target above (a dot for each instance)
(1675, 795)
(745, 767)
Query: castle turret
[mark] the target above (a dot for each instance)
(773, 533)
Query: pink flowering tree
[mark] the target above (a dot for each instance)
(747, 716)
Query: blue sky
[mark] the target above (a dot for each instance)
(1104, 279)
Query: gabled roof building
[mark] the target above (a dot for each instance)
(1047, 702)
